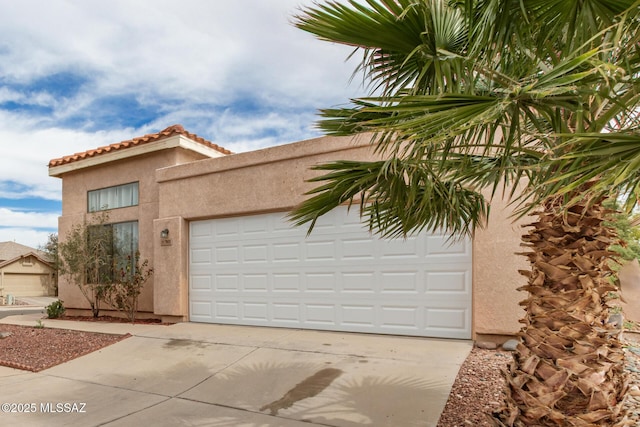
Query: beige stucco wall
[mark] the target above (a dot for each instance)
(629, 276)
(496, 308)
(171, 258)
(258, 181)
(75, 186)
(175, 189)
(273, 180)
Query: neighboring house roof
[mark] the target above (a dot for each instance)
(11, 251)
(171, 131)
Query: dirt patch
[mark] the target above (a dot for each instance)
(309, 387)
(112, 319)
(174, 343)
(34, 349)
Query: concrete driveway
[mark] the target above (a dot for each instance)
(192, 374)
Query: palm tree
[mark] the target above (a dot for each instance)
(477, 95)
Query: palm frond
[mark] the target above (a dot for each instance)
(406, 45)
(492, 88)
(610, 161)
(396, 198)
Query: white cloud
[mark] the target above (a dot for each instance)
(24, 236)
(204, 50)
(27, 228)
(235, 72)
(16, 218)
(25, 154)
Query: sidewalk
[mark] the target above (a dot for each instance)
(34, 305)
(37, 301)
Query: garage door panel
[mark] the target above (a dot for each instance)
(360, 315)
(227, 255)
(227, 282)
(256, 282)
(400, 249)
(358, 282)
(320, 250)
(321, 314)
(400, 282)
(286, 282)
(201, 282)
(201, 310)
(358, 249)
(402, 317)
(320, 282)
(201, 229)
(439, 246)
(256, 311)
(286, 252)
(228, 310)
(254, 226)
(448, 281)
(265, 272)
(286, 312)
(201, 256)
(255, 254)
(226, 229)
(446, 318)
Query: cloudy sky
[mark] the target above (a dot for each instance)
(78, 74)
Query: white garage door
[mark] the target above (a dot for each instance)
(258, 270)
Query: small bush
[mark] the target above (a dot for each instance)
(124, 292)
(55, 309)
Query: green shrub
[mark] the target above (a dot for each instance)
(55, 309)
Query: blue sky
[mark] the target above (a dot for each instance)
(79, 74)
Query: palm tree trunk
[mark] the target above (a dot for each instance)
(569, 368)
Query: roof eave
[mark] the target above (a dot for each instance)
(174, 141)
(19, 257)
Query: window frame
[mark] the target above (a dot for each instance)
(106, 207)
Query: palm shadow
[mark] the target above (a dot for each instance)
(323, 393)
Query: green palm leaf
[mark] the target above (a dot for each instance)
(396, 198)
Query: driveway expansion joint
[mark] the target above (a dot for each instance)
(218, 371)
(106, 423)
(251, 411)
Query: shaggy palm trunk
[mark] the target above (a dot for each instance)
(569, 368)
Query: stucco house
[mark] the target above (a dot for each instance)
(213, 226)
(25, 271)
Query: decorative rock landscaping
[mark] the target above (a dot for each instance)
(632, 401)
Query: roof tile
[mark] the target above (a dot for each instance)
(170, 131)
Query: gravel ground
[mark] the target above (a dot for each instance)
(34, 349)
(477, 390)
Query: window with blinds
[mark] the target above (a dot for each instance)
(119, 196)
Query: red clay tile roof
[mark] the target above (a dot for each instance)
(146, 139)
